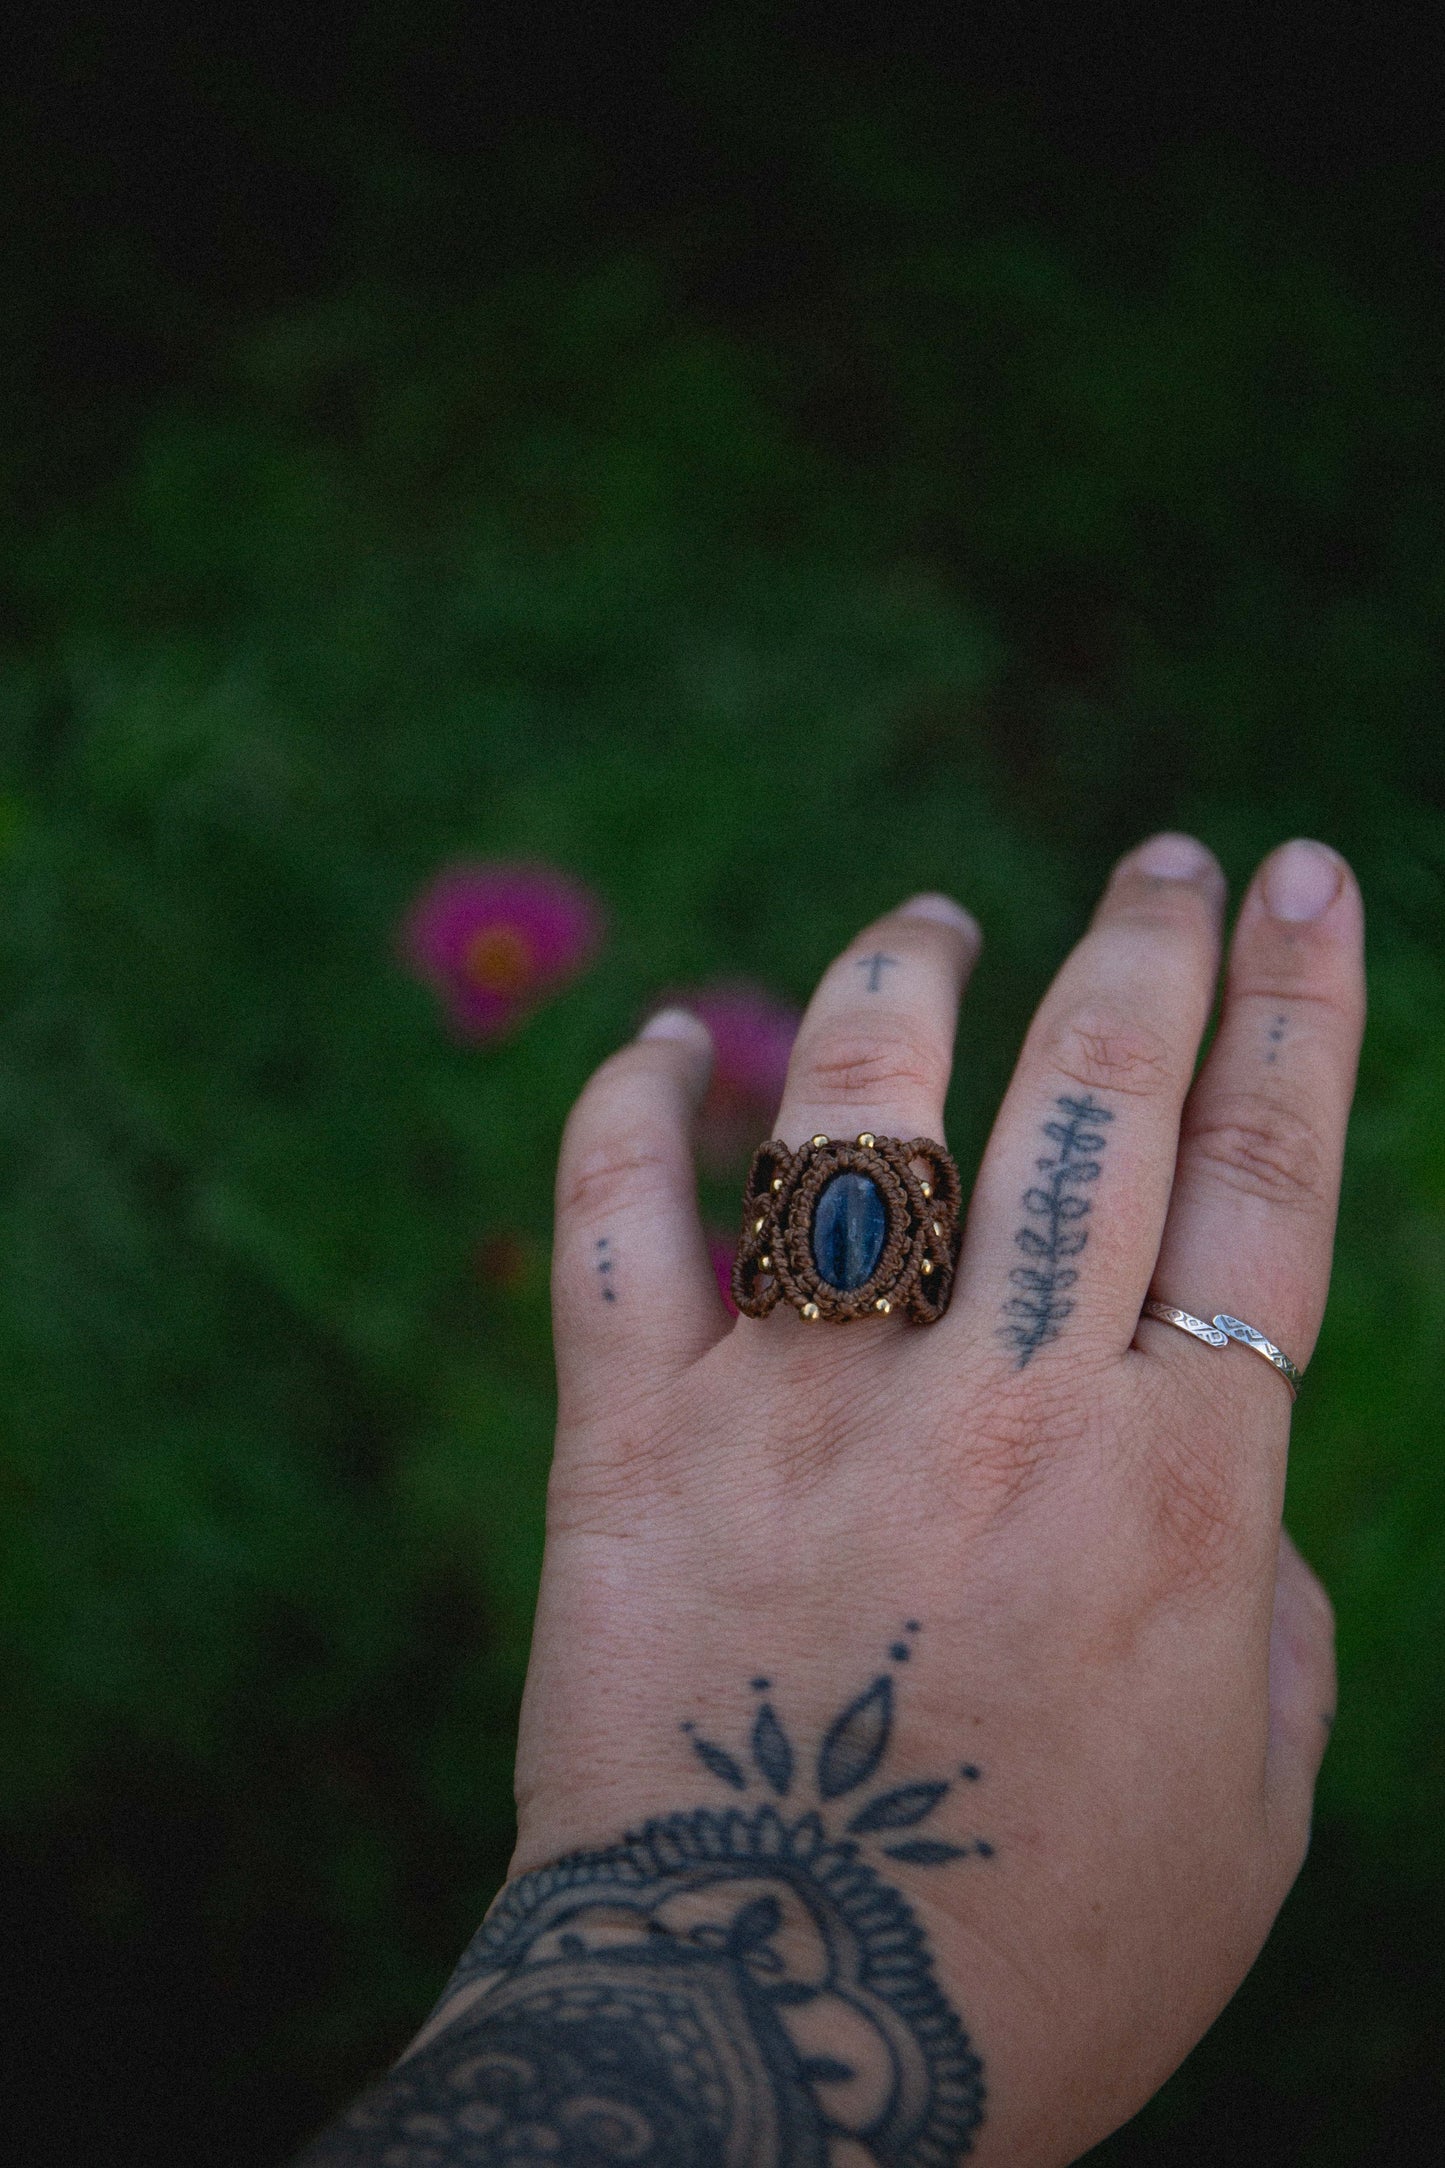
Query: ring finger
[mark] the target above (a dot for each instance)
(1251, 1220)
(875, 1048)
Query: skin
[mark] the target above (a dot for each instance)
(1110, 1648)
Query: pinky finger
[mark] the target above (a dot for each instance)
(634, 1295)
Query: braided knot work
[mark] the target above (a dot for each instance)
(920, 1191)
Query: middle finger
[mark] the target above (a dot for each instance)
(1081, 1159)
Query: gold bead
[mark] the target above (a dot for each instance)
(926, 1267)
(820, 1140)
(927, 1188)
(936, 1228)
(777, 1181)
(867, 1137)
(810, 1310)
(883, 1304)
(758, 1226)
(765, 1264)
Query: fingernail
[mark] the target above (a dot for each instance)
(944, 912)
(675, 1024)
(1301, 880)
(1171, 857)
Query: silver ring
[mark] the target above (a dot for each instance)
(1221, 1329)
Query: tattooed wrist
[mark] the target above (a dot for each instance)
(740, 1985)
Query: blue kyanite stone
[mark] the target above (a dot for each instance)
(849, 1227)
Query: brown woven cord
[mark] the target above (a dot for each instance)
(779, 1200)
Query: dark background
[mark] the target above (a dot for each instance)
(761, 461)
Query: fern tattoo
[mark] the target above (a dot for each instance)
(1057, 1209)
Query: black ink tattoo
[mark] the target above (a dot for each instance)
(1276, 1033)
(722, 1989)
(604, 1267)
(1037, 1312)
(875, 966)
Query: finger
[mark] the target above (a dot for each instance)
(634, 1295)
(1070, 1199)
(1301, 1700)
(1251, 1224)
(875, 1048)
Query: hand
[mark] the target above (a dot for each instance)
(972, 1662)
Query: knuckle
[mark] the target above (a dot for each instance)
(1025, 1434)
(598, 1177)
(802, 1451)
(1196, 1513)
(1262, 1148)
(625, 1487)
(1104, 1051)
(1295, 985)
(1007, 1456)
(832, 1396)
(846, 1065)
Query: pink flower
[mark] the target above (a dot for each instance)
(752, 1035)
(505, 1262)
(722, 1249)
(495, 939)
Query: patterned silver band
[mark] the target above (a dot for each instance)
(1221, 1329)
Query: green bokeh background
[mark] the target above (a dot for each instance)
(854, 502)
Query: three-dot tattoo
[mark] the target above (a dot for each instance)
(605, 1261)
(1276, 1034)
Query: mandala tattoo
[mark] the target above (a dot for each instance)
(725, 1988)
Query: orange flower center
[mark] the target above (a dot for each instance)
(498, 960)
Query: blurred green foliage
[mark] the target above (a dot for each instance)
(964, 566)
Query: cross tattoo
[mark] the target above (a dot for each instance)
(875, 965)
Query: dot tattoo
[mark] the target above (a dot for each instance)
(1276, 1034)
(1036, 1313)
(741, 1985)
(603, 1252)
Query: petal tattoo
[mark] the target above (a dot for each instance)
(724, 1988)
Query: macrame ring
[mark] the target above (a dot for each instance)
(912, 1274)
